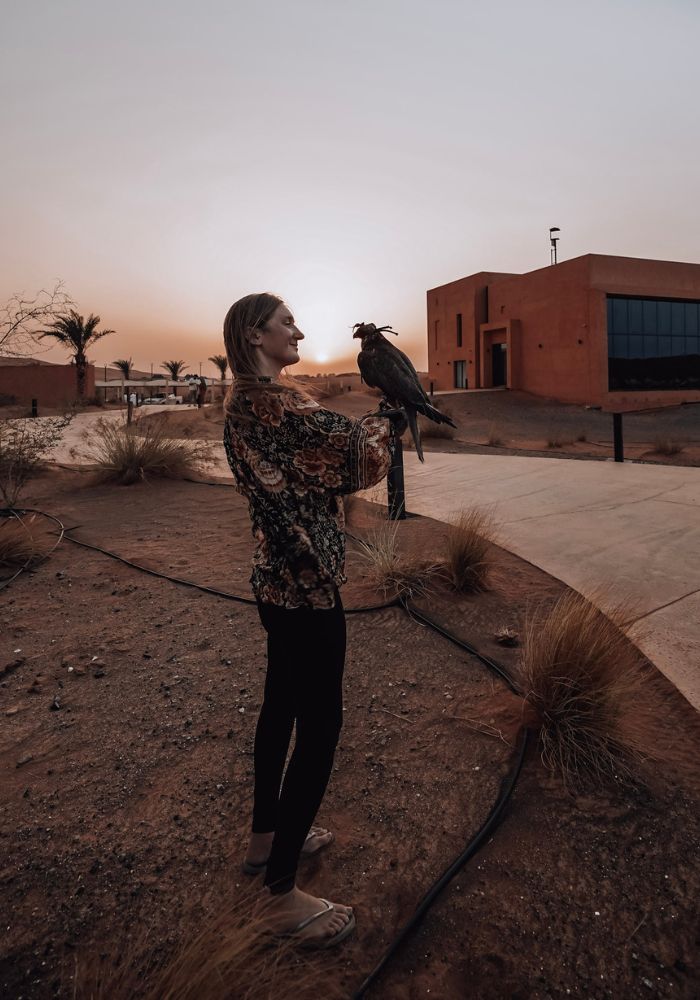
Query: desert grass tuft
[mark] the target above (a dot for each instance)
(582, 437)
(556, 438)
(494, 439)
(230, 955)
(666, 446)
(130, 454)
(390, 570)
(470, 536)
(583, 677)
(23, 541)
(429, 429)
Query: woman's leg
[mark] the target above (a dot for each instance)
(273, 731)
(315, 656)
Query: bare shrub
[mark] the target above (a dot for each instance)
(24, 444)
(392, 571)
(581, 436)
(469, 539)
(582, 676)
(666, 446)
(506, 635)
(130, 454)
(231, 954)
(23, 540)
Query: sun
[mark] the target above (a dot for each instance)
(322, 358)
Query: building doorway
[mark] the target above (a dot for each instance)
(460, 374)
(499, 362)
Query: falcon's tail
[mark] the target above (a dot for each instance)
(434, 414)
(415, 432)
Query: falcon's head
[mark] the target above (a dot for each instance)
(363, 330)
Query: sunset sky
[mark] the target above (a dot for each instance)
(165, 158)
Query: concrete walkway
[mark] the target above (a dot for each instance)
(634, 529)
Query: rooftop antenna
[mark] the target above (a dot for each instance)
(553, 240)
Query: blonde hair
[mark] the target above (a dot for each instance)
(252, 312)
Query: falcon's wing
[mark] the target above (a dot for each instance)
(364, 363)
(391, 370)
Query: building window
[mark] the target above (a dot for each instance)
(653, 343)
(460, 375)
(459, 329)
(436, 326)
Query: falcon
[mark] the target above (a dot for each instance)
(385, 367)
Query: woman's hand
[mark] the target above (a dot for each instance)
(396, 415)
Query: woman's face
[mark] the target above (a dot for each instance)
(276, 344)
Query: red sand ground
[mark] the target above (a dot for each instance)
(125, 810)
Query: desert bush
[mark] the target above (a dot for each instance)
(494, 439)
(230, 955)
(469, 539)
(23, 540)
(392, 571)
(556, 438)
(24, 445)
(130, 454)
(429, 429)
(666, 446)
(581, 436)
(582, 676)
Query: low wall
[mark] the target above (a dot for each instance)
(51, 385)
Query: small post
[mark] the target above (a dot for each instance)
(35, 408)
(396, 495)
(618, 447)
(432, 387)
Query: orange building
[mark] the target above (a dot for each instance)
(617, 332)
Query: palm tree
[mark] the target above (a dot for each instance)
(221, 362)
(124, 367)
(174, 368)
(76, 334)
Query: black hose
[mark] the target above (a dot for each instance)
(507, 786)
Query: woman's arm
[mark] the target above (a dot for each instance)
(294, 441)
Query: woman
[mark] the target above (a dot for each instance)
(293, 460)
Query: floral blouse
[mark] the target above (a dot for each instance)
(293, 462)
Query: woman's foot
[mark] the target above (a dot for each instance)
(284, 912)
(260, 844)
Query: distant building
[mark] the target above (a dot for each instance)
(616, 332)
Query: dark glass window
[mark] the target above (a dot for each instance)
(459, 329)
(653, 343)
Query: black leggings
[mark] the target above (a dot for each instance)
(305, 659)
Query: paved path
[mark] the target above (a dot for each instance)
(634, 529)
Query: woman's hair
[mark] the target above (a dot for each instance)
(252, 312)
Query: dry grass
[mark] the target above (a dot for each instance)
(231, 956)
(23, 540)
(583, 678)
(469, 540)
(429, 429)
(127, 455)
(494, 439)
(392, 571)
(557, 439)
(666, 446)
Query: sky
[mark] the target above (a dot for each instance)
(164, 159)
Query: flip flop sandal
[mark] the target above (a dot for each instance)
(318, 943)
(249, 868)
